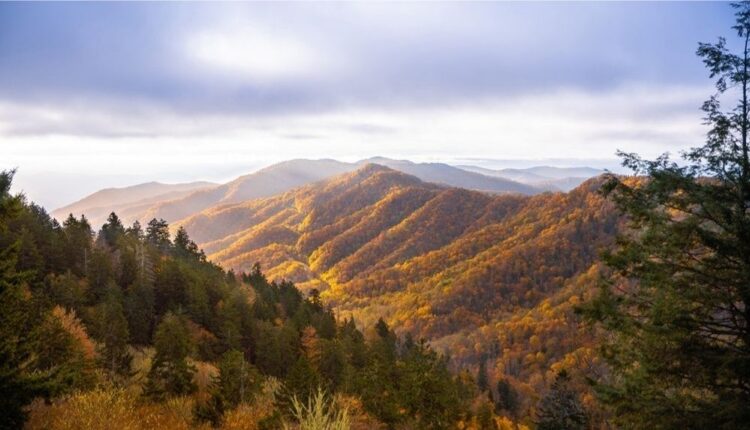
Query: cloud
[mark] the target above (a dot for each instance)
(563, 123)
(290, 58)
(252, 54)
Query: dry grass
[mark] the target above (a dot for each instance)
(105, 409)
(320, 412)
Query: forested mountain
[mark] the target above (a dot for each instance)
(466, 270)
(133, 328)
(272, 180)
(459, 267)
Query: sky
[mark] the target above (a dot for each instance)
(111, 94)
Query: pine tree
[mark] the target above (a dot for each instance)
(186, 248)
(112, 230)
(332, 365)
(170, 372)
(238, 380)
(135, 231)
(507, 398)
(302, 379)
(17, 387)
(77, 244)
(139, 311)
(483, 382)
(157, 234)
(560, 408)
(678, 303)
(114, 334)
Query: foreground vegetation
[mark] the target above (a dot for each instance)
(133, 328)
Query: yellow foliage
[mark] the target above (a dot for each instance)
(71, 324)
(105, 409)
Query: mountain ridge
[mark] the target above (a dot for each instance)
(286, 175)
(374, 235)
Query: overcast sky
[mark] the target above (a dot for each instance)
(95, 94)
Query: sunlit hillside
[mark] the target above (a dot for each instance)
(455, 266)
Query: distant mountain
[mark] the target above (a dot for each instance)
(542, 177)
(266, 182)
(280, 178)
(440, 173)
(98, 205)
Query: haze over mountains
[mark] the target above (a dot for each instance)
(98, 205)
(174, 202)
(543, 177)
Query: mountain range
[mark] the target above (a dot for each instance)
(174, 202)
(489, 275)
(376, 235)
(542, 177)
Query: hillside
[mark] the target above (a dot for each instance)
(377, 238)
(125, 328)
(456, 266)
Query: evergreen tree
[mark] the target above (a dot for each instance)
(507, 398)
(157, 233)
(483, 381)
(114, 335)
(77, 244)
(678, 304)
(112, 230)
(139, 311)
(560, 408)
(135, 231)
(332, 365)
(100, 273)
(17, 387)
(184, 247)
(238, 380)
(427, 389)
(170, 372)
(302, 379)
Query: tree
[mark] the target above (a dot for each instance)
(428, 391)
(333, 368)
(135, 231)
(17, 387)
(157, 233)
(65, 353)
(170, 372)
(112, 230)
(113, 332)
(678, 305)
(560, 408)
(184, 247)
(507, 398)
(302, 379)
(238, 380)
(77, 244)
(139, 311)
(483, 382)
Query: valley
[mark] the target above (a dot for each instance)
(465, 269)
